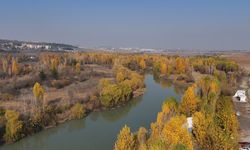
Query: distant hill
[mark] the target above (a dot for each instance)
(14, 45)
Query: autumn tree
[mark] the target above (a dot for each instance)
(174, 132)
(180, 65)
(14, 127)
(38, 91)
(227, 121)
(164, 69)
(15, 67)
(180, 147)
(5, 65)
(78, 67)
(120, 76)
(142, 137)
(170, 106)
(157, 144)
(54, 67)
(142, 64)
(125, 139)
(189, 101)
(103, 83)
(201, 125)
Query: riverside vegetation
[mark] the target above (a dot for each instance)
(207, 100)
(48, 88)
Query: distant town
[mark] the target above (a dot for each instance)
(14, 45)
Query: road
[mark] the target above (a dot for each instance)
(244, 111)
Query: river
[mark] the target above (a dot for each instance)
(98, 131)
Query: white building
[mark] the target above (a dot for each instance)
(190, 123)
(241, 95)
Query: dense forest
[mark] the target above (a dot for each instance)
(41, 90)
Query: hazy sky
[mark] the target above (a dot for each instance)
(206, 24)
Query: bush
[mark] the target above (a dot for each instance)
(60, 83)
(54, 73)
(110, 95)
(77, 111)
(6, 96)
(42, 75)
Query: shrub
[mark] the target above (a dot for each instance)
(42, 75)
(77, 111)
(6, 96)
(59, 83)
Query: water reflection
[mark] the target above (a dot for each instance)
(118, 113)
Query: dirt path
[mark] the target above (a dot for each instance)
(244, 110)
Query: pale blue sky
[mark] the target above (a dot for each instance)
(187, 24)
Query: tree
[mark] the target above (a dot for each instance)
(78, 67)
(103, 83)
(13, 129)
(164, 69)
(201, 124)
(170, 105)
(180, 65)
(54, 67)
(15, 67)
(175, 133)
(5, 65)
(180, 147)
(38, 91)
(142, 136)
(189, 102)
(120, 77)
(109, 95)
(142, 64)
(77, 111)
(125, 140)
(157, 145)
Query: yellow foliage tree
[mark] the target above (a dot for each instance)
(189, 102)
(125, 140)
(142, 64)
(164, 69)
(157, 144)
(78, 67)
(180, 65)
(142, 137)
(155, 131)
(174, 132)
(15, 67)
(120, 77)
(54, 63)
(38, 91)
(200, 126)
(13, 127)
(5, 65)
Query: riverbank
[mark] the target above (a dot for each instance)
(99, 129)
(90, 107)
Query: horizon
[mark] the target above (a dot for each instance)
(213, 25)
